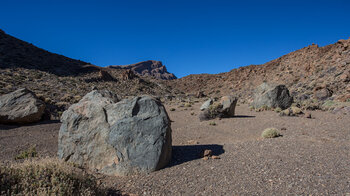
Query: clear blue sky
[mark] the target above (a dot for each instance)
(188, 36)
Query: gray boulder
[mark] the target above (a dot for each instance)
(124, 138)
(272, 96)
(228, 105)
(206, 104)
(20, 106)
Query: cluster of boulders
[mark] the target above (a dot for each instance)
(223, 108)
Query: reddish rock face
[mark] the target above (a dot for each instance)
(148, 69)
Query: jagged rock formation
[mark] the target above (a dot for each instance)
(148, 68)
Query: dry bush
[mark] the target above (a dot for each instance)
(47, 177)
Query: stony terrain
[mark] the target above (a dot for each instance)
(303, 72)
(311, 157)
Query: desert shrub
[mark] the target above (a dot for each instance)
(172, 109)
(29, 153)
(213, 110)
(47, 177)
(270, 133)
(188, 105)
(278, 110)
(212, 123)
(296, 110)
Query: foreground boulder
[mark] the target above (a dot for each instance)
(228, 105)
(223, 109)
(272, 96)
(20, 106)
(128, 137)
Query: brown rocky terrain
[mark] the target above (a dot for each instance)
(310, 156)
(304, 72)
(149, 68)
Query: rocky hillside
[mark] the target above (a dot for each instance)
(148, 69)
(60, 81)
(15, 53)
(310, 73)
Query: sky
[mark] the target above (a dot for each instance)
(188, 36)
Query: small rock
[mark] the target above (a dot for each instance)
(205, 158)
(215, 157)
(308, 115)
(192, 142)
(207, 153)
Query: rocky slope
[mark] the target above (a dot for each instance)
(149, 68)
(15, 53)
(310, 73)
(60, 81)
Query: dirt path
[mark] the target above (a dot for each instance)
(312, 157)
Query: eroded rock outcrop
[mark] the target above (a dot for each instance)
(116, 138)
(20, 106)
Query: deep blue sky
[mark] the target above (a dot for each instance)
(188, 36)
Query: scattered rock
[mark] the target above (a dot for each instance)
(272, 96)
(20, 106)
(205, 158)
(215, 157)
(322, 93)
(308, 115)
(192, 142)
(200, 94)
(206, 104)
(128, 137)
(206, 153)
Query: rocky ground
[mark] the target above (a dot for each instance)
(311, 157)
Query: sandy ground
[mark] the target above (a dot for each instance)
(311, 158)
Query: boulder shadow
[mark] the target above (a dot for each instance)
(16, 125)
(185, 153)
(243, 116)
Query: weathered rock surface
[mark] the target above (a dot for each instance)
(321, 93)
(223, 109)
(124, 138)
(228, 105)
(206, 104)
(272, 96)
(20, 106)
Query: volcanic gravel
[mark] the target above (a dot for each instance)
(312, 157)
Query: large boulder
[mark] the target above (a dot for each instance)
(20, 106)
(228, 105)
(116, 138)
(272, 96)
(223, 109)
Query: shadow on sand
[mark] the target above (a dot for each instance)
(243, 116)
(13, 126)
(182, 154)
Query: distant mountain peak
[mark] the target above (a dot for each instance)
(150, 68)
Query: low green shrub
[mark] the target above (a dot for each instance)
(270, 133)
(29, 153)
